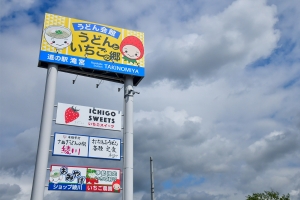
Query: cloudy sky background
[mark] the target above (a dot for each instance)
(218, 109)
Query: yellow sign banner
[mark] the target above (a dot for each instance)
(79, 43)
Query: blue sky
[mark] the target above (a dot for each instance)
(218, 109)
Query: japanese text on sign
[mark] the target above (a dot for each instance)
(90, 179)
(78, 43)
(86, 146)
(76, 115)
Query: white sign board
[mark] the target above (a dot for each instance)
(70, 145)
(88, 179)
(108, 148)
(86, 146)
(91, 117)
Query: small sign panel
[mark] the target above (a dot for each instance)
(86, 146)
(88, 179)
(108, 148)
(70, 145)
(75, 115)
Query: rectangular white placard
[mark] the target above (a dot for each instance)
(107, 148)
(75, 115)
(86, 146)
(70, 145)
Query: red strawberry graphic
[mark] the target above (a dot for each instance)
(71, 114)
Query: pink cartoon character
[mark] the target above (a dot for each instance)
(132, 49)
(117, 185)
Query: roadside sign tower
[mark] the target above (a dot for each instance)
(96, 51)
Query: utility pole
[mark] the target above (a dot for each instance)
(152, 179)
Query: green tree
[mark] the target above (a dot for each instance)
(268, 195)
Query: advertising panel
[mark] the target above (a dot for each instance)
(86, 146)
(70, 145)
(107, 148)
(79, 45)
(91, 117)
(88, 179)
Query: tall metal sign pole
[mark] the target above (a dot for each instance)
(124, 142)
(40, 171)
(128, 154)
(152, 179)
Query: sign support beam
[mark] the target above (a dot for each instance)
(128, 140)
(41, 163)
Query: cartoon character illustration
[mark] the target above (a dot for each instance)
(132, 49)
(55, 176)
(58, 37)
(117, 185)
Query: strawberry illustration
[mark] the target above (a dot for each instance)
(71, 114)
(132, 49)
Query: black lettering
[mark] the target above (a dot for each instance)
(101, 119)
(108, 120)
(106, 42)
(95, 118)
(115, 46)
(113, 121)
(94, 111)
(105, 119)
(107, 113)
(113, 114)
(90, 118)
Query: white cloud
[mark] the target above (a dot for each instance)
(272, 148)
(295, 192)
(241, 34)
(179, 117)
(7, 7)
(23, 182)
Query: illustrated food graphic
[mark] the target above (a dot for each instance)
(71, 114)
